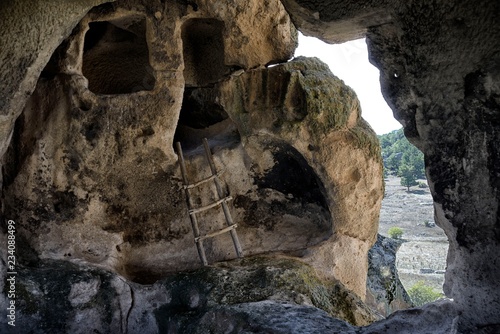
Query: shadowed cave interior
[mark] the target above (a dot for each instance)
(427, 53)
(115, 56)
(201, 116)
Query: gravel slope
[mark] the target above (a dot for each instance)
(425, 248)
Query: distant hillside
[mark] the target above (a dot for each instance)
(400, 156)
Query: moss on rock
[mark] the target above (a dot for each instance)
(365, 138)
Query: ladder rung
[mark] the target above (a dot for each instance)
(216, 233)
(190, 186)
(208, 207)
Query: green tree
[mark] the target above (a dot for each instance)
(395, 232)
(421, 294)
(408, 177)
(414, 158)
(397, 151)
(392, 162)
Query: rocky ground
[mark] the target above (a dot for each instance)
(423, 254)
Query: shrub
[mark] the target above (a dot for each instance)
(429, 224)
(395, 232)
(421, 294)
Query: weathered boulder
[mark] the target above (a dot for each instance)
(384, 291)
(301, 103)
(255, 295)
(63, 297)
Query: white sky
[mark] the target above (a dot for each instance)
(349, 62)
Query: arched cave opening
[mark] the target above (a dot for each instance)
(290, 196)
(294, 177)
(116, 56)
(201, 116)
(420, 254)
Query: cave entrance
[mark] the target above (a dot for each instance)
(201, 116)
(423, 246)
(116, 56)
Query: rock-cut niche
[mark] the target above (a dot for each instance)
(116, 56)
(203, 52)
(201, 115)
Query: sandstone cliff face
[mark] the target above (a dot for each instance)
(90, 174)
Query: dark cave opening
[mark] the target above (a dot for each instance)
(199, 110)
(52, 68)
(289, 196)
(203, 51)
(293, 176)
(116, 56)
(202, 117)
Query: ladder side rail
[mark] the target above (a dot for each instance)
(194, 220)
(227, 213)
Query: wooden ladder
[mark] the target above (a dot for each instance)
(231, 226)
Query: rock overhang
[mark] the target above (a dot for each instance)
(424, 127)
(100, 180)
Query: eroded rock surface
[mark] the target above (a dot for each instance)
(450, 113)
(254, 295)
(76, 156)
(37, 28)
(249, 295)
(385, 292)
(91, 174)
(339, 22)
